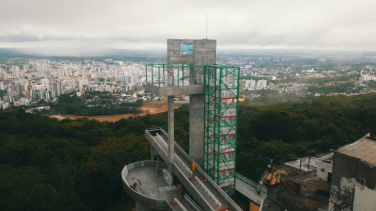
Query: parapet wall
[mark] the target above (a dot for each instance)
(145, 200)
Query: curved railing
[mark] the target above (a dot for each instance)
(139, 197)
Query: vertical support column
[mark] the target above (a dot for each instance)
(159, 77)
(196, 127)
(153, 152)
(171, 134)
(164, 78)
(146, 72)
(182, 73)
(178, 75)
(219, 132)
(170, 74)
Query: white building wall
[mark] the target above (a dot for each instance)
(261, 84)
(364, 199)
(250, 85)
(347, 184)
(323, 166)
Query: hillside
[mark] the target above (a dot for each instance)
(76, 164)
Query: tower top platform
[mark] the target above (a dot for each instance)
(191, 52)
(167, 80)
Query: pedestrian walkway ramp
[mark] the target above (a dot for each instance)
(248, 188)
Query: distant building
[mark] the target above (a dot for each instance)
(261, 84)
(57, 88)
(125, 88)
(364, 78)
(80, 84)
(309, 71)
(40, 108)
(129, 79)
(250, 85)
(4, 104)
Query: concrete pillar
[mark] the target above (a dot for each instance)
(171, 134)
(153, 153)
(196, 127)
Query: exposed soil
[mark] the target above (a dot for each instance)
(313, 184)
(146, 109)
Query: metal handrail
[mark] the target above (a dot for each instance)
(246, 180)
(161, 68)
(249, 182)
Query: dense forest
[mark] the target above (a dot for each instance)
(336, 87)
(46, 164)
(91, 104)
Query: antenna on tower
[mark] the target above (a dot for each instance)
(206, 25)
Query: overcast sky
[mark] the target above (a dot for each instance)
(85, 26)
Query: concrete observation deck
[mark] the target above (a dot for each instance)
(209, 197)
(152, 191)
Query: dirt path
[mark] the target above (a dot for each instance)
(146, 109)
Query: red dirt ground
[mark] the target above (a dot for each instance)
(146, 109)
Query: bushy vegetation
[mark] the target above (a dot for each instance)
(268, 96)
(46, 164)
(290, 130)
(319, 81)
(93, 104)
(336, 87)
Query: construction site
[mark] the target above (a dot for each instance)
(205, 178)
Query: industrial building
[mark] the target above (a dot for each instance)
(205, 178)
(353, 181)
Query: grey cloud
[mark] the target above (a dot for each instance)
(147, 24)
(9, 37)
(27, 37)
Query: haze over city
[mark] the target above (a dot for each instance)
(90, 27)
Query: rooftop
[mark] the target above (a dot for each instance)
(326, 158)
(305, 163)
(364, 149)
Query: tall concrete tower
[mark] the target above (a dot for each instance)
(176, 80)
(193, 53)
(206, 176)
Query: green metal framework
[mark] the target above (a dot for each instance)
(157, 74)
(221, 90)
(220, 125)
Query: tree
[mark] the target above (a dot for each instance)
(25, 189)
(117, 152)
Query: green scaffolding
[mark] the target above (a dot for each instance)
(220, 126)
(221, 90)
(157, 74)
